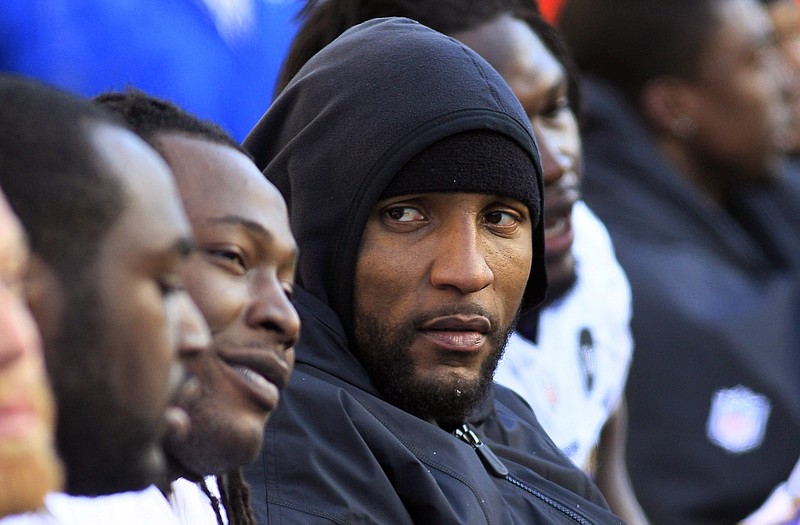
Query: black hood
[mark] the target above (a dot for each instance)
(353, 116)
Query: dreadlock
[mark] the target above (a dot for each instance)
(235, 494)
(234, 498)
(215, 504)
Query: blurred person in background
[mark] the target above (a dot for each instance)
(684, 109)
(785, 16)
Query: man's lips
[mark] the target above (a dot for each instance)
(558, 204)
(18, 419)
(259, 372)
(558, 201)
(458, 333)
(555, 226)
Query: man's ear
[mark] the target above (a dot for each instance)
(45, 296)
(669, 105)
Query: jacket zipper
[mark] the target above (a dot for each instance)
(494, 465)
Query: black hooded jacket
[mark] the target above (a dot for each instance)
(714, 390)
(334, 451)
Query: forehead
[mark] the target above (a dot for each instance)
(468, 202)
(153, 217)
(515, 51)
(217, 181)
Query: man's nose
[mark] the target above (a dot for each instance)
(194, 336)
(460, 261)
(272, 310)
(554, 165)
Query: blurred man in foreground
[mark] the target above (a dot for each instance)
(29, 467)
(109, 240)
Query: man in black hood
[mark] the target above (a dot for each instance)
(415, 193)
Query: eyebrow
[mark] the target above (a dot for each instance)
(554, 91)
(253, 226)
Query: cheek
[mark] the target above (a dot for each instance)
(736, 119)
(214, 388)
(219, 298)
(792, 49)
(569, 138)
(36, 380)
(144, 335)
(17, 329)
(153, 323)
(383, 277)
(199, 366)
(511, 264)
(155, 318)
(753, 94)
(46, 301)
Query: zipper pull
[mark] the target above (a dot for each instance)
(492, 463)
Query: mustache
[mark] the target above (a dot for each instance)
(217, 348)
(419, 320)
(241, 345)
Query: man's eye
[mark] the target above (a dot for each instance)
(404, 214)
(501, 218)
(552, 110)
(229, 256)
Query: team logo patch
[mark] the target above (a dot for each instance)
(738, 418)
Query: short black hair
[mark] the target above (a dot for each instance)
(631, 42)
(324, 20)
(52, 174)
(150, 116)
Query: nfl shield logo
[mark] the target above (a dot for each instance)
(737, 421)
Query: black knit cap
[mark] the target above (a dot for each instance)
(479, 161)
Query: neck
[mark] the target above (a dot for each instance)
(174, 471)
(692, 168)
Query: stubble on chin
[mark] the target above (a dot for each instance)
(447, 401)
(30, 468)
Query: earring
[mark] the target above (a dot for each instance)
(684, 128)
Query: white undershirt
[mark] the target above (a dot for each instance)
(552, 376)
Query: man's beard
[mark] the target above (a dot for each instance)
(30, 469)
(107, 447)
(214, 446)
(384, 351)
